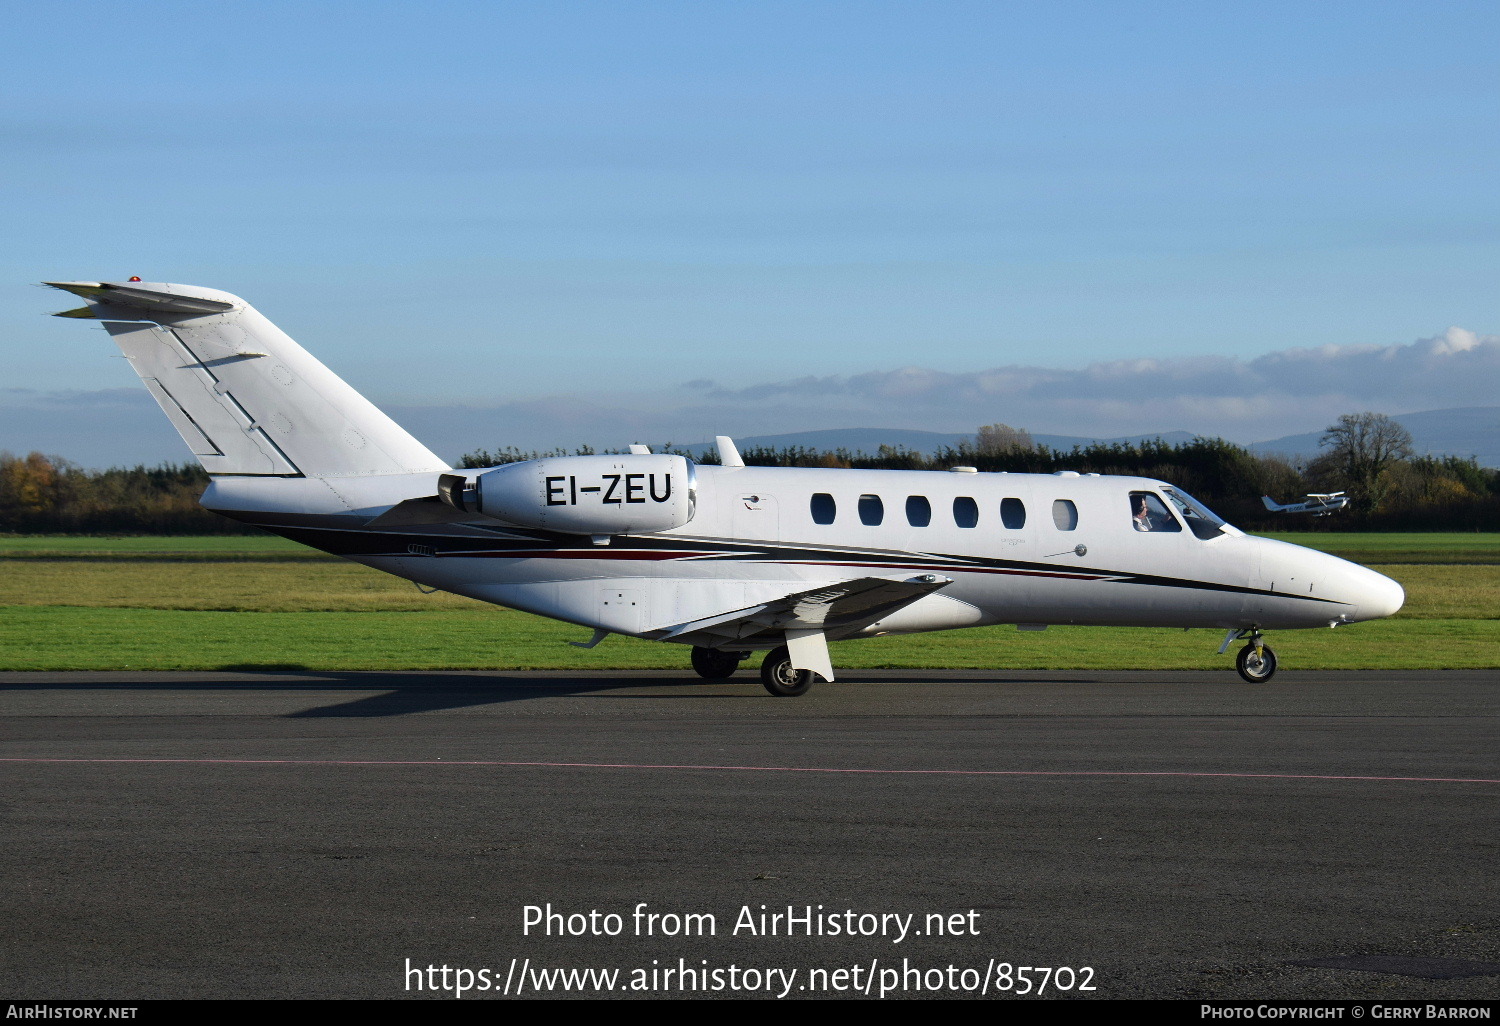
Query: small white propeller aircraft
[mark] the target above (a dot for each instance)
(726, 559)
(1319, 504)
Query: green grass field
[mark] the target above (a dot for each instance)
(187, 548)
(1438, 547)
(254, 602)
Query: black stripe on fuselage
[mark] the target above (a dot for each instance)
(344, 535)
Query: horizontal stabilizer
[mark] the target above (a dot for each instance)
(140, 298)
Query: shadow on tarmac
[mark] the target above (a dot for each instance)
(417, 691)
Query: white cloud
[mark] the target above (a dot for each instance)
(1280, 393)
(1293, 389)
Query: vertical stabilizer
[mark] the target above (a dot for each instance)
(246, 399)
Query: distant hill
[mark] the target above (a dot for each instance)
(869, 440)
(1468, 431)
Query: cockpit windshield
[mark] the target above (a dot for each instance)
(1201, 520)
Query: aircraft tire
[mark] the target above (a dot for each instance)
(780, 679)
(1256, 671)
(712, 664)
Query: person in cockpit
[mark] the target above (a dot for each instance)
(1142, 516)
(1147, 513)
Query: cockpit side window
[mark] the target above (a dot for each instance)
(1149, 513)
(1201, 520)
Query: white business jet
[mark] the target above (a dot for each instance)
(726, 559)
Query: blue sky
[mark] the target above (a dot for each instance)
(473, 205)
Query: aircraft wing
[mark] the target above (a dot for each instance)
(807, 618)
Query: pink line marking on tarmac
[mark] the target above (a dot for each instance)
(763, 769)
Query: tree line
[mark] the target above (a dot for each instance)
(1367, 455)
(47, 495)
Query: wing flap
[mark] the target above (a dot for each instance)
(836, 609)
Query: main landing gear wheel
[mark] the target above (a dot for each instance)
(780, 679)
(1256, 669)
(713, 664)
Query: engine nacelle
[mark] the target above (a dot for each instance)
(593, 495)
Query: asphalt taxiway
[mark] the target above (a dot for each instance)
(1183, 835)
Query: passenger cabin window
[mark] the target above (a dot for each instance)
(1013, 514)
(871, 510)
(1065, 514)
(824, 509)
(965, 512)
(918, 511)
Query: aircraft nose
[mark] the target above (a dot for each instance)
(1378, 596)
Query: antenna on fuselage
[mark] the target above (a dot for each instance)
(729, 455)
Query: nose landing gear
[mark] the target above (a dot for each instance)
(1256, 662)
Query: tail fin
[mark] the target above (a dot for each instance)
(246, 398)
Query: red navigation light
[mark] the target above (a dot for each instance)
(135, 277)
